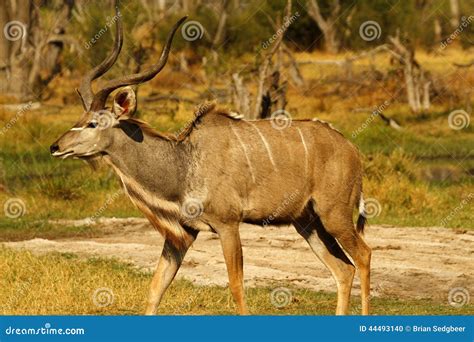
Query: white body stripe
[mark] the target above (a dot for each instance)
(305, 151)
(265, 143)
(242, 145)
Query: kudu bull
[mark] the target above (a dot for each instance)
(222, 171)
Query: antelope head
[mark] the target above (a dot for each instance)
(93, 133)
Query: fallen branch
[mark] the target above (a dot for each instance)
(347, 60)
(389, 121)
(467, 65)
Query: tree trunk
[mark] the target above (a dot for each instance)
(4, 46)
(240, 95)
(454, 5)
(437, 30)
(410, 84)
(417, 81)
(29, 56)
(19, 61)
(327, 25)
(221, 26)
(331, 42)
(426, 95)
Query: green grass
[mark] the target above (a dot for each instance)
(386, 140)
(26, 230)
(56, 284)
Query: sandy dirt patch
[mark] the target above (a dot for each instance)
(407, 262)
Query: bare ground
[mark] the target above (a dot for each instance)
(407, 262)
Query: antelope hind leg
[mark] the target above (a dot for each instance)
(331, 255)
(232, 249)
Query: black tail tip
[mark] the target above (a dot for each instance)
(361, 223)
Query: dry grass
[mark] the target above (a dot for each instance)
(58, 284)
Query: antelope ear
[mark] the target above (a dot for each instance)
(125, 103)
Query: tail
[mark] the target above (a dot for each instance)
(361, 219)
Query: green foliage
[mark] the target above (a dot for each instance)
(249, 27)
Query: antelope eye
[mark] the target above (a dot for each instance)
(92, 124)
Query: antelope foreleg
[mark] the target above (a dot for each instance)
(170, 261)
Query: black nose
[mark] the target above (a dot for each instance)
(54, 148)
